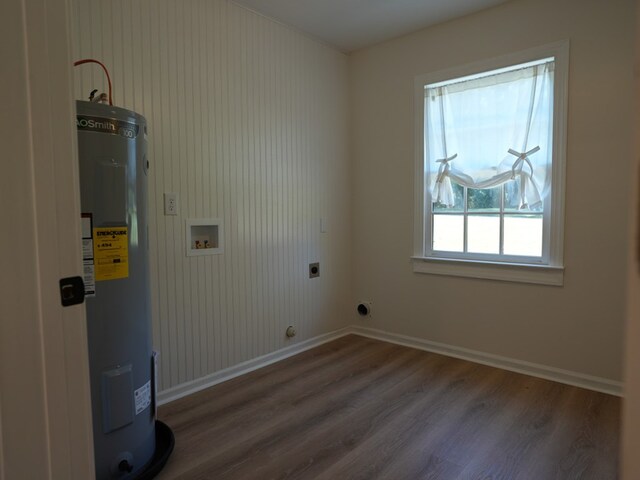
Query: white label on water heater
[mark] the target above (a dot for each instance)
(143, 397)
(88, 267)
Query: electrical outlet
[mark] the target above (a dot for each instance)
(314, 270)
(171, 204)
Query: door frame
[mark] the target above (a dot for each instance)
(630, 460)
(45, 405)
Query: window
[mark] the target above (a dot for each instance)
(490, 168)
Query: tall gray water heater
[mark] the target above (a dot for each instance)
(112, 148)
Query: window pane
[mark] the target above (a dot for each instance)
(485, 200)
(484, 234)
(448, 233)
(523, 235)
(458, 195)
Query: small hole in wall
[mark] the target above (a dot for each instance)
(364, 309)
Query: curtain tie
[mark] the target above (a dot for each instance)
(444, 167)
(523, 157)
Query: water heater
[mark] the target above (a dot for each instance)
(112, 146)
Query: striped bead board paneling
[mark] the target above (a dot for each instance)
(247, 123)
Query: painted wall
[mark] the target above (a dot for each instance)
(248, 123)
(577, 327)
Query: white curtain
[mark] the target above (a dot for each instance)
(484, 132)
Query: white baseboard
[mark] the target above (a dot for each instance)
(536, 370)
(567, 377)
(187, 388)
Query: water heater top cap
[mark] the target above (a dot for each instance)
(108, 111)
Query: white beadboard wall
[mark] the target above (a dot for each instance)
(247, 123)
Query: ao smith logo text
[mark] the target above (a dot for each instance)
(107, 125)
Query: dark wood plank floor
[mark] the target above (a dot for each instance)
(358, 408)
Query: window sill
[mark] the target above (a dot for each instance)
(509, 272)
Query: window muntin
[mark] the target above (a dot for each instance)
(485, 222)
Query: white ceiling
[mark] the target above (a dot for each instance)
(349, 25)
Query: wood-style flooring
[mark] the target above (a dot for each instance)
(357, 408)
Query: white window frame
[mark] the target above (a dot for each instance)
(549, 268)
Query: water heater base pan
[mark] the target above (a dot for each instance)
(165, 441)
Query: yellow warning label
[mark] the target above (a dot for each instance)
(111, 252)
